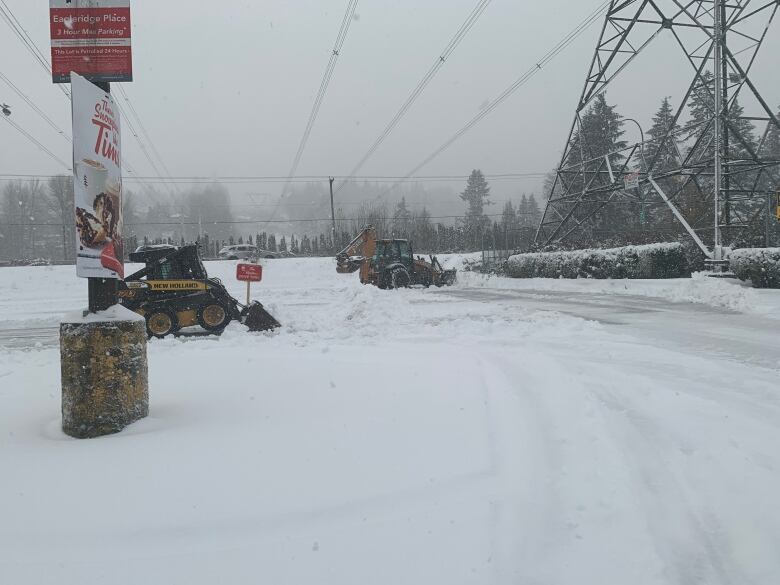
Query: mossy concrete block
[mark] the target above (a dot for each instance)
(104, 375)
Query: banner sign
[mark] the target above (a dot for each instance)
(92, 38)
(97, 181)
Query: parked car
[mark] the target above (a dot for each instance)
(239, 252)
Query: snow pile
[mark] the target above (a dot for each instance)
(761, 266)
(663, 260)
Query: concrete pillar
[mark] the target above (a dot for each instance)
(104, 372)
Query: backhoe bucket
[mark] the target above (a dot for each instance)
(448, 277)
(256, 318)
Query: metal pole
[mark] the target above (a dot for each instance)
(102, 293)
(332, 211)
(718, 58)
(725, 110)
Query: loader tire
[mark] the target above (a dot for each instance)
(213, 316)
(399, 277)
(161, 322)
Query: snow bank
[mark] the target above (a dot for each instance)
(761, 266)
(663, 260)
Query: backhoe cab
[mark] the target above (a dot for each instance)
(390, 263)
(173, 291)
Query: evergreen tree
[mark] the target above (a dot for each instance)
(323, 243)
(476, 195)
(509, 225)
(271, 243)
(700, 129)
(599, 134)
(315, 247)
(659, 149)
(534, 212)
(401, 219)
(771, 148)
(294, 248)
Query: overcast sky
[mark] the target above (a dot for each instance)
(225, 88)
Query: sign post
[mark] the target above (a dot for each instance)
(249, 273)
(102, 359)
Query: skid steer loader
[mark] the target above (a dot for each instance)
(173, 291)
(390, 263)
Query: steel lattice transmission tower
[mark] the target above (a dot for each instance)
(721, 163)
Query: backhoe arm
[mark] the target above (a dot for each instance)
(358, 251)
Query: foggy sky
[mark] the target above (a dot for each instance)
(226, 88)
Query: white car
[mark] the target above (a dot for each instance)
(239, 252)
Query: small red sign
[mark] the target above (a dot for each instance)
(249, 272)
(93, 40)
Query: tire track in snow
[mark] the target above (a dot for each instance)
(687, 535)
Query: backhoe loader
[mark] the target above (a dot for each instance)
(173, 291)
(390, 263)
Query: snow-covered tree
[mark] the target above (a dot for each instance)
(477, 196)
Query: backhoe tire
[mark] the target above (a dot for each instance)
(399, 277)
(161, 322)
(213, 316)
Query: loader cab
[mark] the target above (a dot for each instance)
(393, 252)
(182, 263)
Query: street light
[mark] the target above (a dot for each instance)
(6, 109)
(642, 144)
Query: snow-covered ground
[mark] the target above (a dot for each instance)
(500, 431)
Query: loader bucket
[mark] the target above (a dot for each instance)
(256, 318)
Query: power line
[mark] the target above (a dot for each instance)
(40, 58)
(245, 222)
(340, 38)
(28, 42)
(522, 80)
(35, 107)
(137, 117)
(35, 142)
(462, 31)
(200, 180)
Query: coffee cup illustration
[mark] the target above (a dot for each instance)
(92, 175)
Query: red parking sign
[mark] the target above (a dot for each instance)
(249, 272)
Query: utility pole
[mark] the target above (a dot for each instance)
(102, 292)
(332, 212)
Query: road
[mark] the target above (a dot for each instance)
(692, 328)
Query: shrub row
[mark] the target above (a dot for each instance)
(668, 260)
(761, 266)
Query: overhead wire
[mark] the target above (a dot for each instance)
(35, 142)
(35, 107)
(28, 42)
(137, 117)
(517, 84)
(250, 221)
(16, 27)
(441, 59)
(340, 38)
(198, 180)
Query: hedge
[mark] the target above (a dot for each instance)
(667, 260)
(761, 266)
